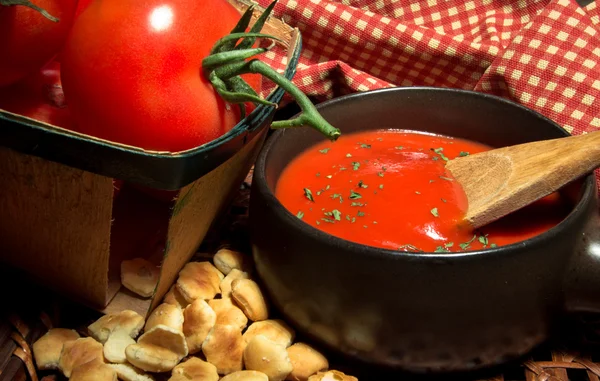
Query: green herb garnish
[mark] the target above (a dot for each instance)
(355, 165)
(324, 150)
(348, 155)
(329, 176)
(441, 249)
(308, 194)
(443, 200)
(357, 204)
(328, 220)
(300, 215)
(440, 152)
(463, 153)
(483, 240)
(362, 185)
(399, 147)
(360, 214)
(434, 211)
(336, 214)
(354, 195)
(380, 186)
(465, 245)
(363, 145)
(380, 174)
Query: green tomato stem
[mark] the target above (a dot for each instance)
(29, 4)
(309, 116)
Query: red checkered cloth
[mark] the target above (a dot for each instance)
(544, 54)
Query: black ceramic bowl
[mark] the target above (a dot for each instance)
(423, 312)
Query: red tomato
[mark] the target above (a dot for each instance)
(30, 40)
(131, 72)
(39, 97)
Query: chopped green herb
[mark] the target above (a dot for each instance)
(319, 192)
(362, 185)
(360, 214)
(318, 174)
(348, 155)
(440, 152)
(300, 215)
(465, 245)
(328, 220)
(355, 165)
(354, 195)
(399, 147)
(336, 214)
(493, 245)
(435, 213)
(363, 145)
(357, 204)
(446, 178)
(443, 200)
(384, 168)
(308, 194)
(365, 226)
(324, 150)
(380, 174)
(463, 153)
(348, 217)
(343, 168)
(449, 244)
(483, 239)
(327, 187)
(335, 195)
(435, 158)
(441, 249)
(380, 186)
(410, 248)
(329, 176)
(318, 223)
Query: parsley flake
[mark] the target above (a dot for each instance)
(440, 152)
(483, 239)
(399, 147)
(324, 150)
(360, 214)
(308, 194)
(380, 186)
(435, 213)
(380, 174)
(300, 215)
(362, 185)
(348, 155)
(463, 153)
(363, 145)
(441, 249)
(336, 214)
(355, 165)
(357, 204)
(354, 195)
(329, 176)
(465, 245)
(443, 200)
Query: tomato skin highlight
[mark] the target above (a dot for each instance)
(142, 83)
(29, 40)
(39, 96)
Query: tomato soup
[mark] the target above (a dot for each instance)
(390, 189)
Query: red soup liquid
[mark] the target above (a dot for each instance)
(390, 189)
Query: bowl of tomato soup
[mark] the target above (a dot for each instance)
(359, 245)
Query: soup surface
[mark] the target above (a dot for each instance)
(390, 189)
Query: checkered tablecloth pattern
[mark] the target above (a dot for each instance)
(544, 54)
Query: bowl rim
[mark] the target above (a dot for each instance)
(260, 183)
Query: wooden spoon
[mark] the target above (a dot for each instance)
(503, 180)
